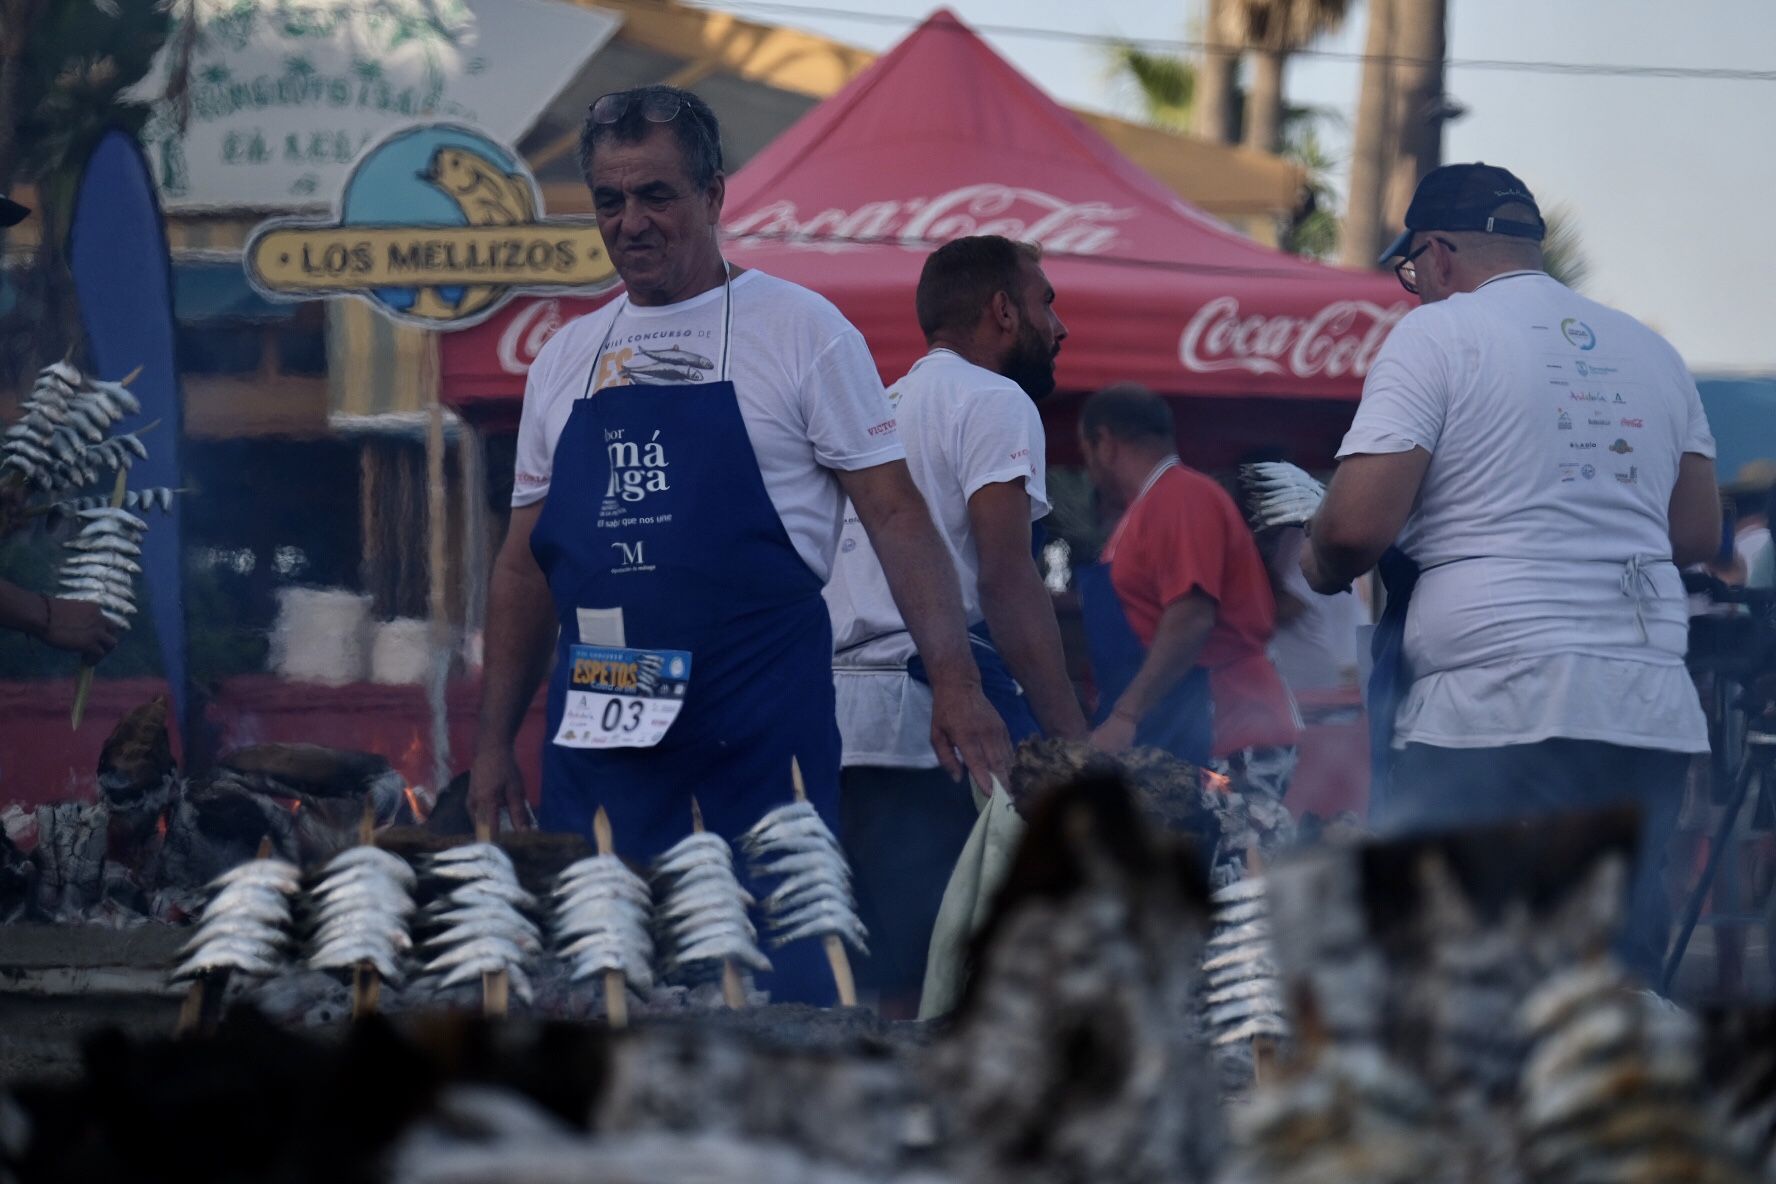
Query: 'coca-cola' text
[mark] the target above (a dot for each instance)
(1030, 215)
(1340, 339)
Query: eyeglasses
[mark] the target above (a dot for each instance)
(1406, 270)
(657, 106)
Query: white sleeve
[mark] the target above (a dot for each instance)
(850, 421)
(1405, 396)
(1698, 437)
(998, 437)
(535, 459)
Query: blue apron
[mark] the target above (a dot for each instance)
(997, 684)
(1387, 677)
(657, 507)
(1183, 721)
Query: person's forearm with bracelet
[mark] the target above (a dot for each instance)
(73, 625)
(1183, 628)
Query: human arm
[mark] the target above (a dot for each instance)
(1184, 625)
(73, 625)
(1695, 513)
(923, 582)
(520, 638)
(1366, 506)
(1020, 612)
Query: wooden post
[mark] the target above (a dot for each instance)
(836, 958)
(437, 562)
(733, 990)
(616, 994)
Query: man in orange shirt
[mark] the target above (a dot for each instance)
(1193, 587)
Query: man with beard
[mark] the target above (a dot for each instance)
(976, 449)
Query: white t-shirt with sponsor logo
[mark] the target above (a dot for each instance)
(965, 427)
(808, 391)
(1548, 605)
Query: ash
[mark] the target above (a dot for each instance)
(145, 849)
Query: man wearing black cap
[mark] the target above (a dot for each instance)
(1536, 466)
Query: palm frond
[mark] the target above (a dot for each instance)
(1164, 86)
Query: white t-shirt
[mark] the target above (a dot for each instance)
(964, 427)
(808, 392)
(1548, 605)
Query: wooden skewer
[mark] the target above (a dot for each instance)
(836, 958)
(733, 990)
(83, 685)
(616, 993)
(366, 981)
(496, 985)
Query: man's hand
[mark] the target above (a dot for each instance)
(495, 784)
(962, 721)
(79, 627)
(1114, 735)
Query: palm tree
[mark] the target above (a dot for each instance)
(1215, 110)
(1419, 106)
(1563, 253)
(1370, 145)
(1168, 92)
(1273, 30)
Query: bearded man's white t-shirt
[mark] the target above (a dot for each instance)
(809, 393)
(965, 427)
(1548, 605)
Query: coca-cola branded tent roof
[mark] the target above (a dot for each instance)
(940, 138)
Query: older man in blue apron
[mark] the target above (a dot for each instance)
(683, 460)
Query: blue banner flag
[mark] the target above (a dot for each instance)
(117, 251)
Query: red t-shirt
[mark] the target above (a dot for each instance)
(1186, 535)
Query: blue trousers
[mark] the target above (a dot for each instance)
(1436, 789)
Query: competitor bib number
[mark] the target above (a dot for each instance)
(621, 698)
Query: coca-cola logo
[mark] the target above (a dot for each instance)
(526, 333)
(1341, 339)
(1029, 215)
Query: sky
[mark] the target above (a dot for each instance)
(1669, 181)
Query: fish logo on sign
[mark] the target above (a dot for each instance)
(437, 226)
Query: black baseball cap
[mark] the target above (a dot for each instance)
(11, 213)
(1463, 197)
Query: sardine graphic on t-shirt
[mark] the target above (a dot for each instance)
(654, 359)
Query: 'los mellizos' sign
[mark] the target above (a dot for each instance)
(1062, 227)
(1339, 340)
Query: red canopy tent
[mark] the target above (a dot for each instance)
(940, 138)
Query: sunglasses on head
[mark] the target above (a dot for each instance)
(657, 106)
